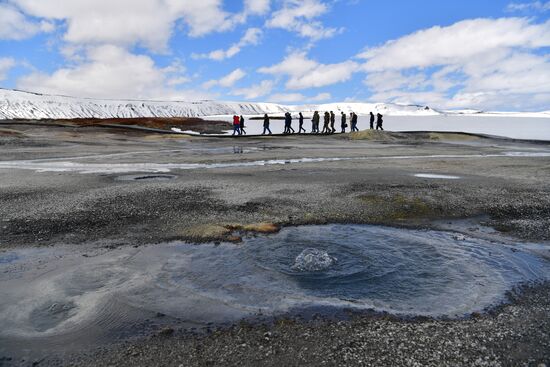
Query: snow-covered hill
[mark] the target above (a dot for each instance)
(24, 105)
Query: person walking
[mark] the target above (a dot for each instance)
(371, 121)
(236, 125)
(343, 124)
(241, 125)
(379, 122)
(332, 121)
(315, 123)
(301, 122)
(354, 122)
(266, 124)
(288, 123)
(326, 122)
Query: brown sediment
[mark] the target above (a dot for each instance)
(219, 232)
(207, 232)
(376, 135)
(165, 123)
(10, 132)
(265, 228)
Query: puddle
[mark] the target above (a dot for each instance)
(70, 165)
(404, 272)
(435, 176)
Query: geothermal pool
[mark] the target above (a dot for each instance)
(65, 294)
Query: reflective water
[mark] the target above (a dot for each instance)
(412, 272)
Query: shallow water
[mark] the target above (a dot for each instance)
(60, 293)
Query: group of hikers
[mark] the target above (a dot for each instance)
(329, 121)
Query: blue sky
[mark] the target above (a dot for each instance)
(446, 54)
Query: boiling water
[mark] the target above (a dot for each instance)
(48, 293)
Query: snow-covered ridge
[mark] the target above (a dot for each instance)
(25, 105)
(16, 104)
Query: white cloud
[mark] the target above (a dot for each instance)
(6, 63)
(321, 97)
(287, 97)
(259, 7)
(251, 37)
(300, 16)
(128, 22)
(305, 73)
(111, 72)
(227, 81)
(15, 26)
(298, 98)
(456, 43)
(531, 6)
(255, 91)
(479, 63)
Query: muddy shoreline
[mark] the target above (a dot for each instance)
(510, 194)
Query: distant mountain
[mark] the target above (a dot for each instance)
(16, 104)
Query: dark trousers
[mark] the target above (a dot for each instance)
(266, 128)
(236, 130)
(379, 126)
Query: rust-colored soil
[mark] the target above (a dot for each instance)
(165, 123)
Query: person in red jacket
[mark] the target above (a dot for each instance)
(236, 125)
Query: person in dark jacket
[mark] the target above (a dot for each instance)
(315, 123)
(354, 122)
(241, 125)
(343, 124)
(301, 121)
(326, 122)
(236, 125)
(288, 124)
(371, 121)
(379, 122)
(266, 124)
(332, 122)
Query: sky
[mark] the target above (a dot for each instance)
(452, 54)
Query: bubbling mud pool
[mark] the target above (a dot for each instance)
(59, 293)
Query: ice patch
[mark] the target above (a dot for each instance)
(431, 175)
